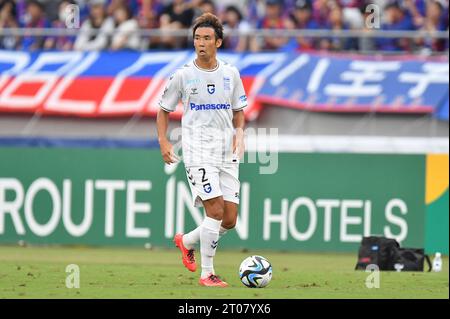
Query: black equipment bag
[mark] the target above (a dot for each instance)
(411, 259)
(377, 250)
(386, 253)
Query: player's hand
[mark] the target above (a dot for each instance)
(167, 152)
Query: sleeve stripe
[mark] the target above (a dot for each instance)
(166, 109)
(241, 108)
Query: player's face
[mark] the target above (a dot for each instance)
(205, 42)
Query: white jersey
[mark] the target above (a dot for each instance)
(209, 98)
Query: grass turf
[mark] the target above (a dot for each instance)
(40, 272)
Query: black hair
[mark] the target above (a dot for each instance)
(68, 1)
(36, 3)
(208, 20)
(13, 6)
(235, 10)
(127, 10)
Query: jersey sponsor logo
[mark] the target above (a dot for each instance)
(226, 84)
(243, 98)
(211, 88)
(212, 106)
(193, 82)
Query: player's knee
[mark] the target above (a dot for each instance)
(217, 215)
(216, 212)
(229, 224)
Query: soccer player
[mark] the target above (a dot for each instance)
(213, 99)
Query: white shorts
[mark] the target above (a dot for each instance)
(208, 182)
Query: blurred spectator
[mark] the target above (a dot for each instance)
(416, 9)
(336, 23)
(113, 5)
(193, 5)
(242, 6)
(351, 10)
(208, 6)
(302, 15)
(178, 12)
(396, 19)
(21, 9)
(434, 21)
(64, 43)
(84, 9)
(96, 31)
(50, 9)
(289, 6)
(272, 20)
(321, 11)
(8, 20)
(34, 18)
(233, 21)
(148, 18)
(166, 15)
(125, 35)
(148, 15)
(202, 6)
(256, 9)
(175, 16)
(301, 18)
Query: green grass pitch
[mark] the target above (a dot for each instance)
(40, 272)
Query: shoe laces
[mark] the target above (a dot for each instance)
(214, 278)
(190, 255)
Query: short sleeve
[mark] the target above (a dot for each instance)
(172, 93)
(239, 96)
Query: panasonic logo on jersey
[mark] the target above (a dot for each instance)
(212, 106)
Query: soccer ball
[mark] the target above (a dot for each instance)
(255, 272)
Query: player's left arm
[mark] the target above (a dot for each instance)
(239, 103)
(238, 139)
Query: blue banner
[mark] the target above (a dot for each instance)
(102, 84)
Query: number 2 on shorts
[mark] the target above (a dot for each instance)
(204, 174)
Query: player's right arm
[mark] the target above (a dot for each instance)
(162, 123)
(168, 103)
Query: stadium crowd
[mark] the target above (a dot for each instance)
(115, 23)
